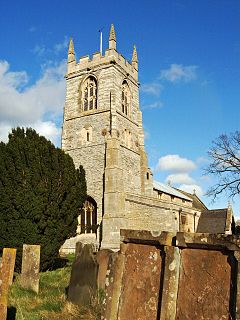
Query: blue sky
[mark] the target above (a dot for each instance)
(189, 70)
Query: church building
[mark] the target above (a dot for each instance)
(103, 131)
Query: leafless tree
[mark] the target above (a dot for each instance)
(225, 165)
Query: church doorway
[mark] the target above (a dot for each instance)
(87, 219)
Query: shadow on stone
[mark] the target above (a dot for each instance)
(11, 313)
(83, 282)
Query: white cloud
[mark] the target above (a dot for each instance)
(146, 134)
(36, 105)
(178, 72)
(202, 160)
(154, 105)
(175, 163)
(61, 45)
(5, 129)
(39, 49)
(48, 129)
(191, 189)
(205, 179)
(180, 178)
(11, 79)
(151, 88)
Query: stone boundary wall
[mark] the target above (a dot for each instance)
(174, 275)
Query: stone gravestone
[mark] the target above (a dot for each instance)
(83, 281)
(103, 257)
(12, 253)
(78, 248)
(30, 267)
(6, 275)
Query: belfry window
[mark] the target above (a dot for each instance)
(125, 98)
(89, 94)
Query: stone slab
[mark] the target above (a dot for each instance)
(147, 237)
(204, 285)
(83, 281)
(208, 240)
(113, 284)
(30, 267)
(103, 257)
(237, 283)
(170, 283)
(12, 253)
(140, 283)
(6, 274)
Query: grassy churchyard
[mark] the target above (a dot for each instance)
(51, 301)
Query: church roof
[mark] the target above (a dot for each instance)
(213, 221)
(197, 203)
(169, 190)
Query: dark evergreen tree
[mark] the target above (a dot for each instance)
(40, 195)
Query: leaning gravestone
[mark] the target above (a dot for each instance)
(83, 281)
(30, 267)
(6, 275)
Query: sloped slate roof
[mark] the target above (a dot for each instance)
(197, 203)
(212, 221)
(169, 190)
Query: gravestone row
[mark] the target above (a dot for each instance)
(29, 275)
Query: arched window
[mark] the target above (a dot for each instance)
(86, 135)
(87, 220)
(89, 94)
(125, 98)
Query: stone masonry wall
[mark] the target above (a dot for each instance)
(91, 155)
(131, 170)
(146, 213)
(147, 216)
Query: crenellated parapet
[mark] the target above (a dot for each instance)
(110, 58)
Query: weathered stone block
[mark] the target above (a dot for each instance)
(103, 257)
(12, 253)
(30, 267)
(113, 285)
(8, 258)
(204, 285)
(83, 281)
(6, 274)
(140, 283)
(170, 283)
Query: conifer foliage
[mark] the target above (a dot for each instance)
(40, 195)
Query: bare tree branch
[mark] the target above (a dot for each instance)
(225, 165)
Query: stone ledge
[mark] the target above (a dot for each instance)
(208, 240)
(127, 118)
(147, 237)
(88, 113)
(182, 239)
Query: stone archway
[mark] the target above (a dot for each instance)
(87, 219)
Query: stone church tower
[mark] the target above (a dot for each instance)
(102, 130)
